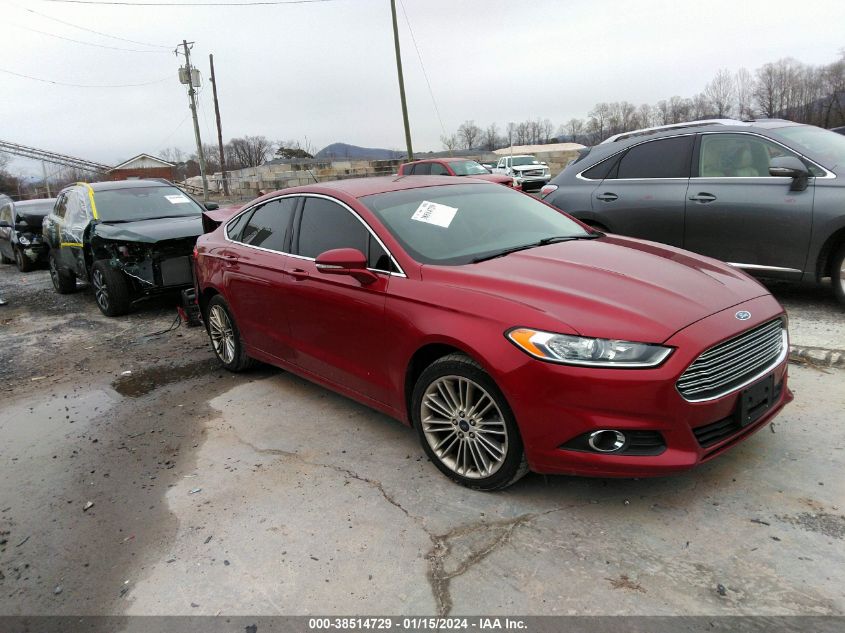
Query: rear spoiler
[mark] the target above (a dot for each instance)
(212, 219)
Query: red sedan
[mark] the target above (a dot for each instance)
(508, 334)
(453, 167)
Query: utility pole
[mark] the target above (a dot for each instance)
(219, 129)
(192, 96)
(401, 82)
(46, 181)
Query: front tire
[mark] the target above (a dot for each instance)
(111, 289)
(466, 426)
(225, 336)
(837, 274)
(22, 261)
(63, 281)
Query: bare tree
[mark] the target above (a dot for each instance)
(450, 141)
(721, 92)
(744, 84)
(469, 134)
(249, 151)
(491, 137)
(701, 106)
(574, 129)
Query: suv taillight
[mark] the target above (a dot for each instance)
(547, 189)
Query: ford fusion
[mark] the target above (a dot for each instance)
(509, 335)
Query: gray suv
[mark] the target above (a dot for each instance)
(766, 196)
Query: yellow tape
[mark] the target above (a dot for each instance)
(91, 197)
(74, 244)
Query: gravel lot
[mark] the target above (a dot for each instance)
(264, 494)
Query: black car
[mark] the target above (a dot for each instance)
(20, 232)
(766, 196)
(131, 239)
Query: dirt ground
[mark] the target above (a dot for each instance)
(182, 489)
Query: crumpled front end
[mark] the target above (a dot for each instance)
(152, 267)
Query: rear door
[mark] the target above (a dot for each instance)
(740, 214)
(256, 285)
(337, 323)
(644, 193)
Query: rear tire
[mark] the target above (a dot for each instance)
(837, 274)
(63, 281)
(466, 426)
(111, 289)
(225, 337)
(23, 262)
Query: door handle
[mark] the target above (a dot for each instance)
(703, 197)
(607, 197)
(298, 273)
(230, 260)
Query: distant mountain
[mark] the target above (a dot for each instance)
(342, 151)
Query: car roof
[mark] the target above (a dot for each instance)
(110, 185)
(443, 159)
(360, 187)
(705, 125)
(36, 202)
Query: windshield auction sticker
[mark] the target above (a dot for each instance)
(434, 213)
(177, 199)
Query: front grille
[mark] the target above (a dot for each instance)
(533, 172)
(713, 433)
(733, 363)
(644, 443)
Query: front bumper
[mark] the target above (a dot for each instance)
(35, 252)
(554, 404)
(538, 181)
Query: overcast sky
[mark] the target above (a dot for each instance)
(326, 70)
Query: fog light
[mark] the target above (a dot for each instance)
(606, 441)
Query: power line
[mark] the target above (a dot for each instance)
(425, 74)
(250, 3)
(62, 83)
(69, 39)
(85, 28)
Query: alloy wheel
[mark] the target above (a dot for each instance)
(54, 274)
(222, 334)
(464, 427)
(101, 290)
(842, 276)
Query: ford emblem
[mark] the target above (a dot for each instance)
(743, 315)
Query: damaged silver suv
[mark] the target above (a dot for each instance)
(130, 239)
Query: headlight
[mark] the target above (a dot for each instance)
(23, 239)
(594, 352)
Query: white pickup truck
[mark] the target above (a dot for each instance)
(526, 170)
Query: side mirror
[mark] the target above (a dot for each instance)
(346, 261)
(790, 167)
(211, 206)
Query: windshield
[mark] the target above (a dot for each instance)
(524, 160)
(454, 225)
(823, 146)
(467, 168)
(144, 203)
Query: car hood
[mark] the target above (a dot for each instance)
(151, 231)
(498, 178)
(611, 287)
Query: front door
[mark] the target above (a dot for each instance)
(738, 213)
(337, 323)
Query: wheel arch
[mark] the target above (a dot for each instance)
(827, 251)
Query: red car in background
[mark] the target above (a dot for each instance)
(508, 334)
(453, 167)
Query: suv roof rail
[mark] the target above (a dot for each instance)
(672, 126)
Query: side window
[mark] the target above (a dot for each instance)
(326, 225)
(377, 257)
(408, 170)
(438, 170)
(664, 158)
(501, 163)
(737, 156)
(601, 170)
(422, 169)
(268, 225)
(61, 205)
(234, 227)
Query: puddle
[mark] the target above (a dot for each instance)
(144, 381)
